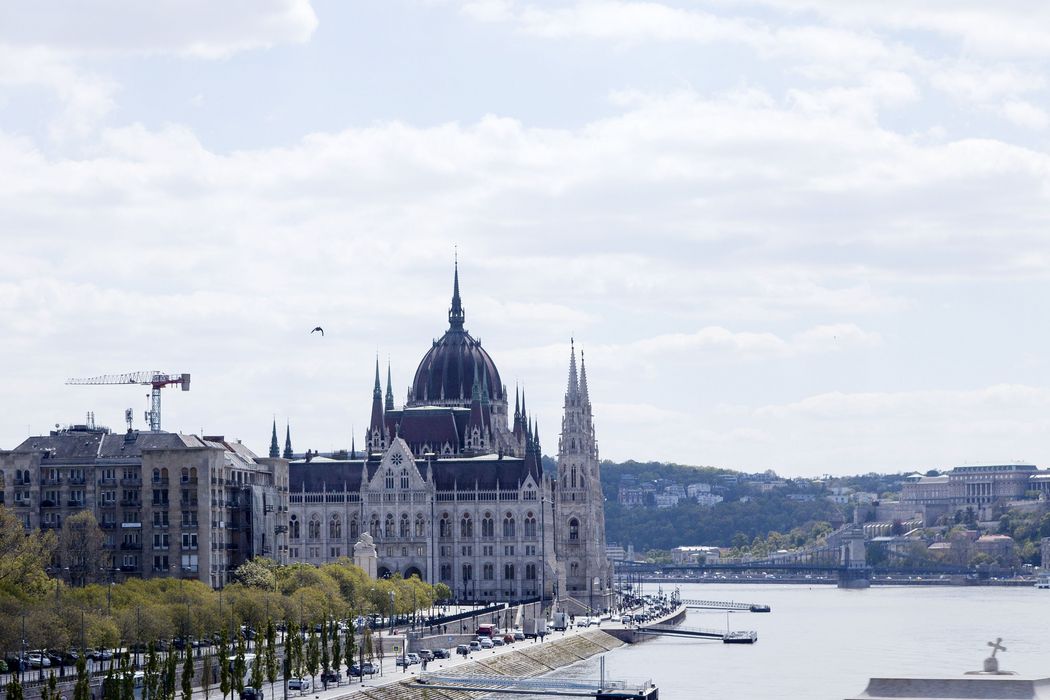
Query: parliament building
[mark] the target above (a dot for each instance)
(451, 486)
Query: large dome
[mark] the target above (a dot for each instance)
(445, 376)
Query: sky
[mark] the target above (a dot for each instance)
(802, 235)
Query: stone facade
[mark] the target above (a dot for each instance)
(168, 504)
(451, 487)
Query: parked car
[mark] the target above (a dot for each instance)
(331, 677)
(498, 641)
(301, 684)
(368, 668)
(464, 649)
(485, 642)
(252, 694)
(426, 654)
(38, 660)
(518, 635)
(475, 645)
(441, 653)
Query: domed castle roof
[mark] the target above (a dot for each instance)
(445, 376)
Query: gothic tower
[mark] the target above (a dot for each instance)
(585, 576)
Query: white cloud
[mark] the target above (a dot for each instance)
(194, 27)
(1026, 114)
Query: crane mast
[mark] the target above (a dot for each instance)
(155, 380)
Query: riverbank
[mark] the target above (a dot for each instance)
(521, 660)
(833, 581)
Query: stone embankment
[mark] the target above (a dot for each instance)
(528, 661)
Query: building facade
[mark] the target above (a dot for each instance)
(451, 488)
(168, 504)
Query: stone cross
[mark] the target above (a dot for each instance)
(991, 664)
(996, 646)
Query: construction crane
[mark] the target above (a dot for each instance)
(157, 380)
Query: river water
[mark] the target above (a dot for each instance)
(824, 643)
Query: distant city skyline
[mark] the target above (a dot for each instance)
(800, 235)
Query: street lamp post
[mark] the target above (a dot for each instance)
(595, 582)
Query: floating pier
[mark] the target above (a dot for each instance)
(578, 688)
(726, 636)
(725, 605)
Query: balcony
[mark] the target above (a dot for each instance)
(108, 526)
(192, 503)
(107, 482)
(79, 480)
(280, 529)
(75, 504)
(50, 526)
(128, 568)
(131, 546)
(131, 502)
(48, 503)
(50, 482)
(157, 502)
(108, 545)
(131, 481)
(107, 504)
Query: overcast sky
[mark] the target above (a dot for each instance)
(807, 235)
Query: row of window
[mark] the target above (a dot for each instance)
(488, 572)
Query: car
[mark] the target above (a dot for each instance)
(252, 694)
(365, 669)
(301, 684)
(426, 655)
(38, 660)
(518, 635)
(486, 642)
(464, 649)
(509, 638)
(498, 642)
(331, 677)
(403, 661)
(441, 653)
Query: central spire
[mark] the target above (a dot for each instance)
(455, 314)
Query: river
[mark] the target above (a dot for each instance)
(824, 643)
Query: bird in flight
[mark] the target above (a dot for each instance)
(317, 329)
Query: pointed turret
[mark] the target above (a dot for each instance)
(376, 427)
(389, 389)
(287, 441)
(476, 423)
(574, 385)
(353, 446)
(584, 395)
(456, 316)
(275, 447)
(517, 415)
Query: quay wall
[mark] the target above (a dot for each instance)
(525, 661)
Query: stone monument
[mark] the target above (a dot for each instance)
(365, 554)
(987, 684)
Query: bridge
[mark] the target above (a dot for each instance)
(509, 685)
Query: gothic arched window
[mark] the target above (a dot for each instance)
(466, 526)
(445, 528)
(156, 476)
(388, 479)
(314, 528)
(293, 527)
(421, 526)
(508, 572)
(574, 569)
(530, 572)
(335, 527)
(574, 476)
(403, 530)
(508, 525)
(574, 530)
(468, 572)
(353, 529)
(388, 529)
(488, 526)
(530, 525)
(373, 526)
(404, 478)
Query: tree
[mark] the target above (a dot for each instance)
(171, 668)
(187, 674)
(442, 592)
(256, 675)
(325, 659)
(269, 659)
(127, 678)
(295, 653)
(151, 674)
(351, 650)
(257, 573)
(224, 664)
(206, 674)
(14, 689)
(80, 547)
(337, 649)
(23, 557)
(82, 689)
(313, 655)
(239, 669)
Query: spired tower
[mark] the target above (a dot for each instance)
(585, 575)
